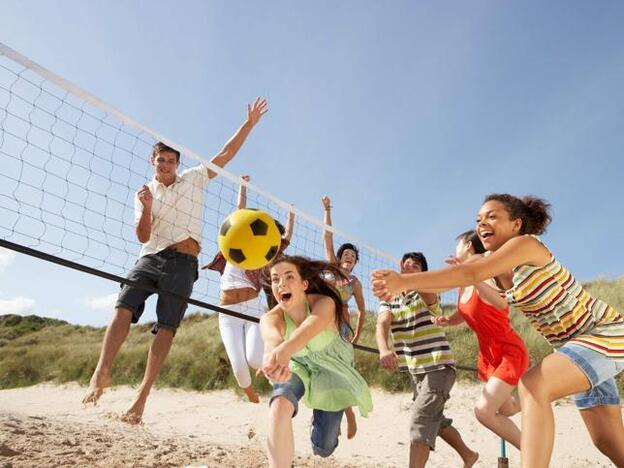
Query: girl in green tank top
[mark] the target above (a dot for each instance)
(306, 357)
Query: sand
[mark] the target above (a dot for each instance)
(46, 425)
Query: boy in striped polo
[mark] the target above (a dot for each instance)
(421, 348)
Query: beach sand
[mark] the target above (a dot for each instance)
(46, 425)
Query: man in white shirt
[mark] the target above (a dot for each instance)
(168, 215)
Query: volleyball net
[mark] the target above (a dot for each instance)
(71, 167)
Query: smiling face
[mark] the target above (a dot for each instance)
(411, 266)
(165, 165)
(289, 289)
(494, 225)
(348, 259)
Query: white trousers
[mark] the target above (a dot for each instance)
(242, 340)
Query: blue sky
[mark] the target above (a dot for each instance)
(406, 113)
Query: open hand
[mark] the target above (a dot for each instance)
(255, 112)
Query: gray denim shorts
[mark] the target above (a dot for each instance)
(167, 270)
(431, 390)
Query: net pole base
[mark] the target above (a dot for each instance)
(503, 462)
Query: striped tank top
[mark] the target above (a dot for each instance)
(562, 311)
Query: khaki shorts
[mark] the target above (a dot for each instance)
(431, 390)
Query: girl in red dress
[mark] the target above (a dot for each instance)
(503, 357)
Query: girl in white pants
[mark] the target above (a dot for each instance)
(242, 340)
(239, 293)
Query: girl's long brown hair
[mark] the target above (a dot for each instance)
(313, 272)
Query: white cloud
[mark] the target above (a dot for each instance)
(6, 258)
(18, 305)
(103, 303)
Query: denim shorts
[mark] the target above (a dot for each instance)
(325, 424)
(599, 370)
(166, 270)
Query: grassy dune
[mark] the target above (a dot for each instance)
(34, 350)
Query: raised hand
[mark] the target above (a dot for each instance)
(246, 178)
(452, 261)
(145, 196)
(255, 112)
(386, 284)
(326, 202)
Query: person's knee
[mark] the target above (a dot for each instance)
(532, 387)
(323, 452)
(282, 407)
(325, 447)
(484, 413)
(122, 315)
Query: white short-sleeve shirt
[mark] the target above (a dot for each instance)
(177, 210)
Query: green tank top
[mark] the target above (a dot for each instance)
(326, 368)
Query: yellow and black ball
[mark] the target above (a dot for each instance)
(249, 239)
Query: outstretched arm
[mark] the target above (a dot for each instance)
(328, 237)
(229, 150)
(242, 194)
(517, 251)
(321, 315)
(448, 320)
(271, 330)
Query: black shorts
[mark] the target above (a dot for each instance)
(166, 270)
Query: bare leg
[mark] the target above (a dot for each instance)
(115, 335)
(419, 454)
(280, 441)
(555, 377)
(511, 406)
(495, 394)
(351, 423)
(604, 424)
(451, 436)
(155, 359)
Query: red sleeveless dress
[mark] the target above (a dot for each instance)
(502, 352)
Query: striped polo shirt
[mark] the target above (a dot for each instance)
(562, 311)
(420, 345)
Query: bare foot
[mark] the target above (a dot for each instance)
(351, 423)
(251, 394)
(472, 459)
(134, 414)
(99, 382)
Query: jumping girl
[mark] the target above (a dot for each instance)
(306, 357)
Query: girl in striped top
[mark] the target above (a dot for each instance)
(589, 333)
